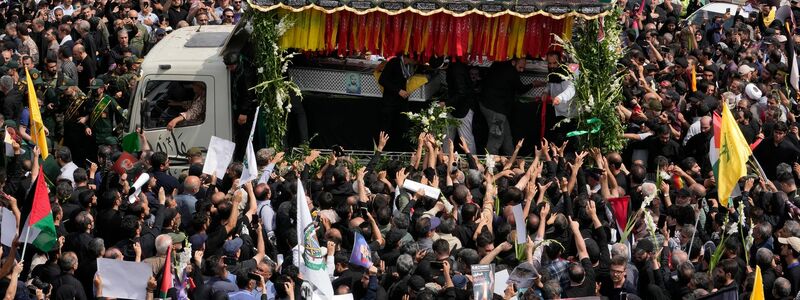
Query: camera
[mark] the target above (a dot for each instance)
(38, 284)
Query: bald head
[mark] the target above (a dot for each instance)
(705, 124)
(679, 257)
(191, 185)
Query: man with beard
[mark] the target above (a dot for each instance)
(561, 92)
(725, 274)
(651, 283)
(661, 144)
(776, 149)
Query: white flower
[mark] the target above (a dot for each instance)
(648, 221)
(443, 115)
(425, 121)
(734, 228)
(260, 70)
(740, 211)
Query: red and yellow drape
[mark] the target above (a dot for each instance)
(497, 38)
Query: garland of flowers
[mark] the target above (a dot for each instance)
(275, 89)
(598, 85)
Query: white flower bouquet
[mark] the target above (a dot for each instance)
(434, 120)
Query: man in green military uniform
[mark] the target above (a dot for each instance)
(105, 113)
(76, 132)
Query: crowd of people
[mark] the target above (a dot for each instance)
(236, 237)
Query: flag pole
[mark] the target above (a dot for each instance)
(25, 244)
(691, 242)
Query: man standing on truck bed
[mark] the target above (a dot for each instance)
(395, 97)
(244, 103)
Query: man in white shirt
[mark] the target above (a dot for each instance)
(64, 158)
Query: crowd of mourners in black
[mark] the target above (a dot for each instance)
(240, 240)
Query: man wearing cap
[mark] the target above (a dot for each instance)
(105, 113)
(745, 72)
(790, 253)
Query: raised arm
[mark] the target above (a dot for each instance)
(579, 243)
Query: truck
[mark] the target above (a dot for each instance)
(187, 57)
(192, 57)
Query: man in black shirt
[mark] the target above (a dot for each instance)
(228, 214)
(67, 286)
(500, 88)
(393, 79)
(775, 150)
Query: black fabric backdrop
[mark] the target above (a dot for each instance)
(353, 123)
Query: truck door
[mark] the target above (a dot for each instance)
(186, 101)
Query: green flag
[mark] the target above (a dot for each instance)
(130, 143)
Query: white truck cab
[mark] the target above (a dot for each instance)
(186, 66)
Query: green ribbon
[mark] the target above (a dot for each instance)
(596, 125)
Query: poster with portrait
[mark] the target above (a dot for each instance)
(483, 282)
(352, 83)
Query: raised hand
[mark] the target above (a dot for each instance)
(382, 139)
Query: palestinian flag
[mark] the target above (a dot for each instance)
(166, 279)
(41, 230)
(677, 182)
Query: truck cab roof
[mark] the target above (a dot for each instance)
(191, 44)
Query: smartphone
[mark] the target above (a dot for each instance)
(364, 211)
(661, 222)
(253, 276)
(728, 10)
(437, 265)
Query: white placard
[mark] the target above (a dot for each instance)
(500, 282)
(9, 144)
(343, 297)
(137, 186)
(220, 153)
(123, 279)
(8, 229)
(413, 186)
(519, 219)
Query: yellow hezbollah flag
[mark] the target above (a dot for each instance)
(36, 124)
(733, 155)
(758, 286)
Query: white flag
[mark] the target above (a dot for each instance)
(312, 262)
(794, 75)
(250, 171)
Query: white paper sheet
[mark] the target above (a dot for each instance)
(500, 284)
(220, 153)
(413, 186)
(8, 228)
(123, 279)
(9, 144)
(519, 219)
